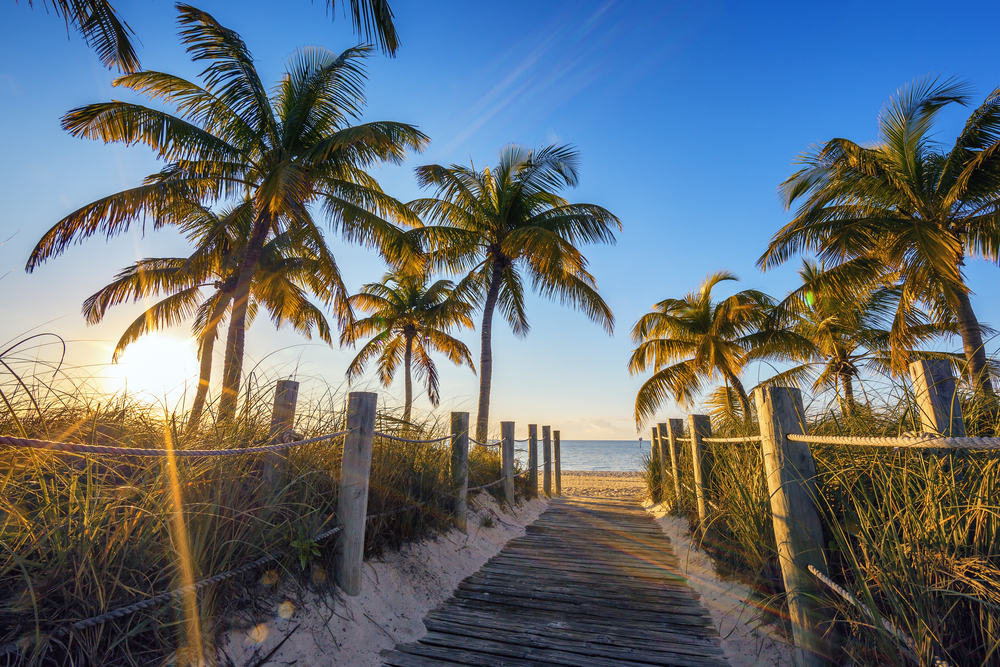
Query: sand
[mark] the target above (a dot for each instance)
(613, 484)
(397, 591)
(401, 588)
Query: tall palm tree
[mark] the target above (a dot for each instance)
(905, 210)
(104, 30)
(230, 139)
(408, 321)
(499, 226)
(692, 340)
(287, 270)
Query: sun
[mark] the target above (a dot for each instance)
(155, 368)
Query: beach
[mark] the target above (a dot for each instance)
(402, 587)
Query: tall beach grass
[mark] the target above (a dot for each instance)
(84, 534)
(914, 534)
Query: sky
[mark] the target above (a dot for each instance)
(687, 116)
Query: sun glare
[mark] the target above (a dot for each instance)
(155, 368)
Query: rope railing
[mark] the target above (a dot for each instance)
(483, 444)
(414, 442)
(739, 440)
(927, 441)
(683, 439)
(888, 625)
(485, 486)
(75, 448)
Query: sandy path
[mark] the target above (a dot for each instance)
(612, 484)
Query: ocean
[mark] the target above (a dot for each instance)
(625, 455)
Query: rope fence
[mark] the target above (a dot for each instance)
(414, 442)
(889, 627)
(747, 439)
(928, 441)
(159, 453)
(283, 416)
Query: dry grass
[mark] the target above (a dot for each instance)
(916, 535)
(85, 534)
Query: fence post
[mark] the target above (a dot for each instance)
(352, 507)
(533, 459)
(555, 453)
(656, 461)
(547, 455)
(701, 427)
(460, 467)
(507, 460)
(791, 482)
(934, 390)
(675, 429)
(286, 395)
(660, 432)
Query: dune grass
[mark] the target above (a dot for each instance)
(84, 534)
(915, 535)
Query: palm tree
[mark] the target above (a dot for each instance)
(692, 340)
(904, 210)
(288, 268)
(500, 226)
(408, 321)
(850, 330)
(230, 139)
(104, 30)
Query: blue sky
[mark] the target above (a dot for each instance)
(687, 116)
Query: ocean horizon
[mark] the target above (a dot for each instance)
(601, 455)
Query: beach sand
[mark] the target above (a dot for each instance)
(602, 484)
(399, 589)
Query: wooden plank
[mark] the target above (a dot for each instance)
(588, 585)
(606, 631)
(653, 654)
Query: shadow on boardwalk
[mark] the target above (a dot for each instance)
(592, 583)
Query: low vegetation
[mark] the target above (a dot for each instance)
(914, 535)
(85, 534)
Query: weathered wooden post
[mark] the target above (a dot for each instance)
(934, 390)
(558, 466)
(675, 429)
(352, 507)
(533, 459)
(791, 482)
(460, 467)
(507, 460)
(660, 431)
(286, 395)
(701, 427)
(547, 456)
(656, 462)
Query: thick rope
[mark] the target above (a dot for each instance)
(889, 627)
(747, 439)
(415, 442)
(682, 439)
(915, 442)
(483, 444)
(484, 486)
(157, 453)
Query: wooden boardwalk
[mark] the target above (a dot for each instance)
(592, 583)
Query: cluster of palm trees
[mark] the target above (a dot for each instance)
(246, 171)
(892, 225)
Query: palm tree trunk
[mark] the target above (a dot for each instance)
(972, 343)
(408, 381)
(207, 348)
(237, 324)
(486, 355)
(847, 406)
(741, 393)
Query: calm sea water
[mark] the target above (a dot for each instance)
(594, 454)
